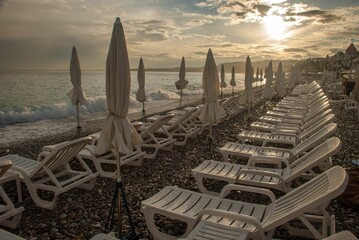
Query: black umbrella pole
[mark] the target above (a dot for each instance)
(143, 111)
(78, 129)
(181, 99)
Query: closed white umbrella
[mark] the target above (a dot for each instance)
(76, 95)
(257, 76)
(268, 90)
(118, 135)
(212, 111)
(223, 83)
(182, 82)
(141, 95)
(248, 96)
(280, 83)
(233, 80)
(291, 81)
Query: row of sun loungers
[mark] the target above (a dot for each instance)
(209, 215)
(303, 121)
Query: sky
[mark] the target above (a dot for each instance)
(39, 34)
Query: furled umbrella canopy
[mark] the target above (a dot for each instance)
(233, 79)
(141, 95)
(182, 82)
(280, 84)
(268, 90)
(261, 75)
(76, 94)
(118, 134)
(212, 111)
(248, 96)
(223, 83)
(291, 81)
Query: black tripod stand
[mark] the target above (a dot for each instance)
(111, 218)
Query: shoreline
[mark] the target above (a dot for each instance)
(80, 214)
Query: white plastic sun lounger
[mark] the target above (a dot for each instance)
(52, 172)
(155, 139)
(258, 219)
(293, 112)
(104, 162)
(296, 119)
(10, 216)
(268, 127)
(180, 126)
(246, 150)
(275, 178)
(109, 159)
(285, 136)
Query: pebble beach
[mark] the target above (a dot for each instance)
(80, 214)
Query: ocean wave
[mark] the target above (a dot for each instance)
(162, 94)
(21, 114)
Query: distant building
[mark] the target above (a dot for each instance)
(351, 52)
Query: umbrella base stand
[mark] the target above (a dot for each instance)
(111, 218)
(78, 131)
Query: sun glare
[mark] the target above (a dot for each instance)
(275, 26)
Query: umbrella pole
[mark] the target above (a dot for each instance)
(78, 129)
(210, 137)
(181, 99)
(143, 111)
(118, 184)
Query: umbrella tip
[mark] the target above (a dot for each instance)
(118, 21)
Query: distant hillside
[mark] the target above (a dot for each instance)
(238, 66)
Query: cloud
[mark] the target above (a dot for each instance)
(335, 50)
(150, 30)
(223, 45)
(319, 16)
(198, 22)
(295, 50)
(262, 9)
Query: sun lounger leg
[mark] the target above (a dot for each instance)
(149, 216)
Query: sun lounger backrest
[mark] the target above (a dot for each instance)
(313, 113)
(4, 166)
(315, 157)
(180, 119)
(316, 119)
(312, 194)
(61, 155)
(316, 138)
(317, 126)
(155, 125)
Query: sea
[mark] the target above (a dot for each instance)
(35, 103)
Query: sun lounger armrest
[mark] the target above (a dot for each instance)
(235, 187)
(233, 216)
(286, 134)
(262, 173)
(267, 159)
(261, 149)
(42, 155)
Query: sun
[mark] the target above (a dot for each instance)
(276, 27)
